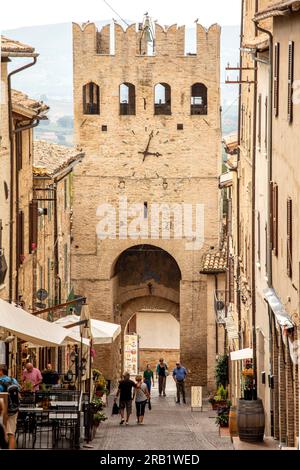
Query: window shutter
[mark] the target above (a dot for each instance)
(258, 237)
(290, 80)
(266, 123)
(20, 239)
(259, 122)
(271, 214)
(289, 238)
(275, 219)
(276, 78)
(18, 141)
(33, 226)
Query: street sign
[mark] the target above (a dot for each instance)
(42, 294)
(40, 305)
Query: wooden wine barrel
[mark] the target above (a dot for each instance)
(251, 420)
(233, 429)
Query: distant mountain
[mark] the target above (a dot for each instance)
(51, 78)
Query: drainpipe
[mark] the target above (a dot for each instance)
(217, 333)
(11, 138)
(33, 124)
(253, 220)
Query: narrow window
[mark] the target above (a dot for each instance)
(162, 99)
(91, 99)
(290, 81)
(259, 122)
(127, 99)
(199, 99)
(276, 78)
(289, 220)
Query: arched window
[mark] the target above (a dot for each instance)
(91, 99)
(162, 98)
(199, 99)
(127, 99)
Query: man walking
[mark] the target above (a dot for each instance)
(161, 374)
(179, 376)
(125, 392)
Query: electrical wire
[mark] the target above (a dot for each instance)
(115, 12)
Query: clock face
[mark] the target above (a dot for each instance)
(150, 147)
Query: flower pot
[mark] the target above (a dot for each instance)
(251, 420)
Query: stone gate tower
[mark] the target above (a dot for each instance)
(148, 119)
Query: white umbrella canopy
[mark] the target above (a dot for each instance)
(33, 329)
(102, 332)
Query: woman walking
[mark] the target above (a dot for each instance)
(141, 397)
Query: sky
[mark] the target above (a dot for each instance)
(39, 12)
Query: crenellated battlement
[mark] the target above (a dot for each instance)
(169, 40)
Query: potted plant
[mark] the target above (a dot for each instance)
(222, 419)
(98, 417)
(99, 382)
(221, 397)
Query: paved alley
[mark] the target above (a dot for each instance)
(168, 426)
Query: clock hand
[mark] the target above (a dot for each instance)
(150, 137)
(156, 154)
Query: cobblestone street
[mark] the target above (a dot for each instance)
(168, 426)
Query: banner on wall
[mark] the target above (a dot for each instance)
(131, 354)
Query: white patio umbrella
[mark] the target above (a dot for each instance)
(34, 329)
(102, 332)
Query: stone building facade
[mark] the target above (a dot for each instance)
(264, 214)
(149, 124)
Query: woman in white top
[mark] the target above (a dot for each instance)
(141, 397)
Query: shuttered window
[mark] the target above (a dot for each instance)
(18, 141)
(259, 122)
(274, 218)
(33, 226)
(20, 239)
(289, 237)
(276, 78)
(290, 81)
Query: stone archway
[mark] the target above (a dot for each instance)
(146, 278)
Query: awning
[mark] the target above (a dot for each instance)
(31, 328)
(225, 180)
(102, 332)
(278, 309)
(241, 354)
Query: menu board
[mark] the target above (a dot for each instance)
(131, 354)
